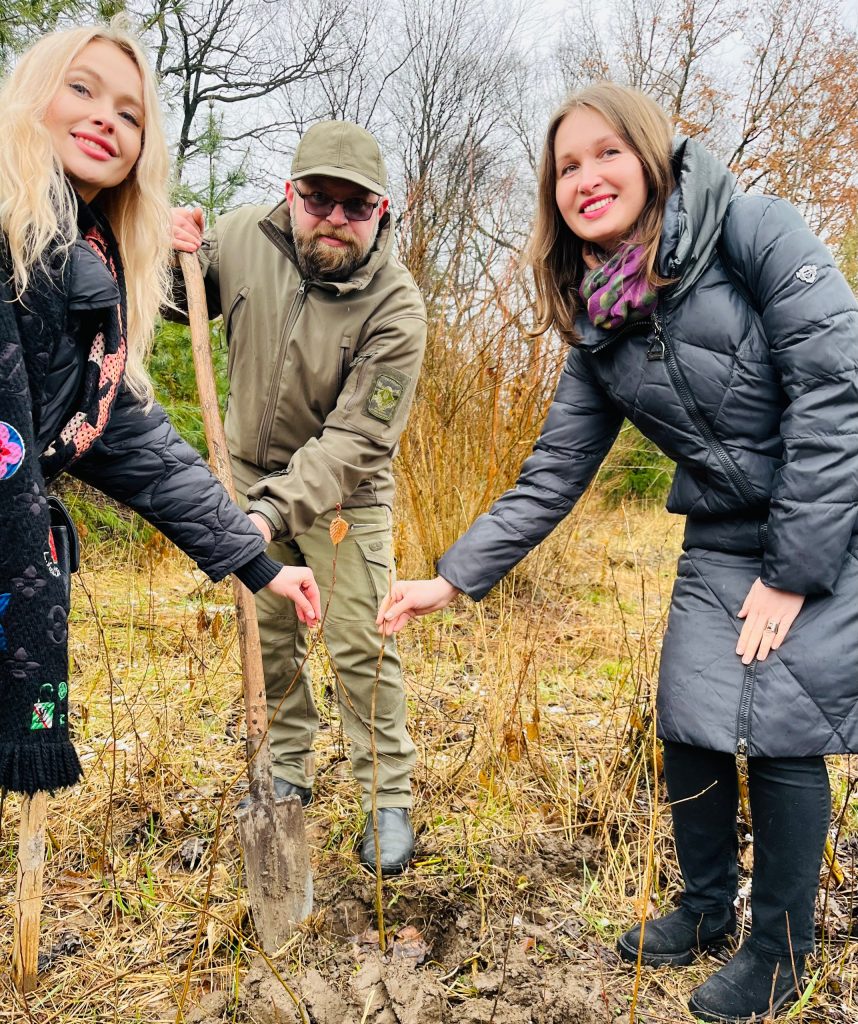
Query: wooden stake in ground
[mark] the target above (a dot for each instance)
(27, 910)
(276, 855)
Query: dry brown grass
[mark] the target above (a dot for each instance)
(533, 717)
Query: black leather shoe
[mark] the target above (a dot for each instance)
(282, 789)
(676, 938)
(395, 838)
(752, 986)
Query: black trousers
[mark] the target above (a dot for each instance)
(790, 809)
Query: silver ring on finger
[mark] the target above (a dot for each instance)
(772, 627)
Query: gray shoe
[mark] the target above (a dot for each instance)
(282, 789)
(395, 839)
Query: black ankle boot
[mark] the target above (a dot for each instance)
(752, 986)
(282, 789)
(677, 937)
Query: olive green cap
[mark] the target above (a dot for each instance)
(340, 149)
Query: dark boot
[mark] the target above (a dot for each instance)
(395, 839)
(676, 938)
(752, 986)
(282, 789)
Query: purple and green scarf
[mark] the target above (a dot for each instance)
(618, 292)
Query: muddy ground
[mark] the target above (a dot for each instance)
(444, 961)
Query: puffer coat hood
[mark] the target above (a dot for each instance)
(747, 377)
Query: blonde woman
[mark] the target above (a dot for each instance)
(83, 271)
(719, 325)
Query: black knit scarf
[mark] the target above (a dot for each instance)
(35, 750)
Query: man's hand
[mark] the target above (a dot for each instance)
(298, 584)
(187, 229)
(768, 615)
(410, 598)
(261, 524)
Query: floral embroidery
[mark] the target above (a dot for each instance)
(57, 625)
(28, 583)
(31, 500)
(11, 450)
(19, 666)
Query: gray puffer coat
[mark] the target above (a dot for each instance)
(747, 377)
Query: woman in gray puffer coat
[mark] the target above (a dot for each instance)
(718, 324)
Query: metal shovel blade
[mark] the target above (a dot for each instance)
(276, 867)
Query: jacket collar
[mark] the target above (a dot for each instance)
(277, 228)
(693, 215)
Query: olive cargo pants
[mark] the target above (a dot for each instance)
(353, 643)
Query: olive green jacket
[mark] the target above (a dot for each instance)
(321, 374)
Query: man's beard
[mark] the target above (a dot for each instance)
(318, 261)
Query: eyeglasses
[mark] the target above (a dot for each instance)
(318, 204)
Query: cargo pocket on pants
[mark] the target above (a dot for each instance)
(377, 561)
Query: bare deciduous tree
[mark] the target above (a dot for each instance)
(232, 54)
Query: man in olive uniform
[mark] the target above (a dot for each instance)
(326, 331)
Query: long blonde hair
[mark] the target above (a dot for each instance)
(38, 210)
(554, 252)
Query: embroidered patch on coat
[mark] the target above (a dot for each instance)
(51, 561)
(12, 450)
(386, 394)
(807, 273)
(43, 715)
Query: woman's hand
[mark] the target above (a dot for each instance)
(187, 229)
(299, 585)
(768, 615)
(410, 598)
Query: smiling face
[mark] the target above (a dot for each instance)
(331, 248)
(601, 189)
(95, 121)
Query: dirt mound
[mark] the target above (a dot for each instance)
(554, 857)
(385, 993)
(447, 961)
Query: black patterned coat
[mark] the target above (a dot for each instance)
(136, 458)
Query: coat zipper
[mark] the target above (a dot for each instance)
(271, 404)
(636, 325)
(666, 352)
(345, 348)
(359, 361)
(744, 716)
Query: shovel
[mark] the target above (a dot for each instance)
(273, 840)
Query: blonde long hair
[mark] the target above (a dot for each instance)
(37, 209)
(554, 252)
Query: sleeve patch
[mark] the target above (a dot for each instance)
(11, 450)
(385, 393)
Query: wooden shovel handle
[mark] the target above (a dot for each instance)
(255, 707)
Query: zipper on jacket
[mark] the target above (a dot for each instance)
(734, 474)
(616, 335)
(271, 404)
(656, 350)
(744, 716)
(345, 347)
(359, 361)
